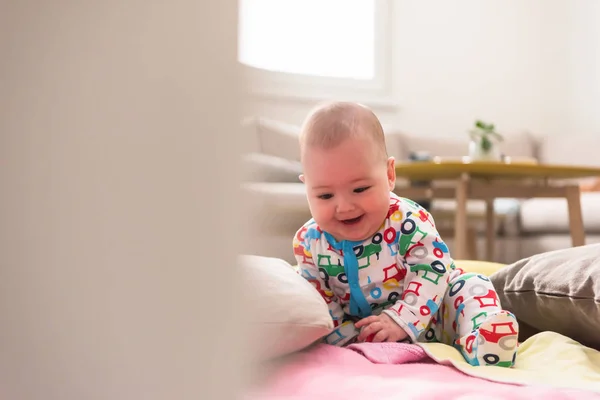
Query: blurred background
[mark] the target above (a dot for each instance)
(429, 67)
(119, 153)
(430, 70)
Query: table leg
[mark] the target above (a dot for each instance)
(573, 195)
(460, 219)
(490, 229)
(471, 243)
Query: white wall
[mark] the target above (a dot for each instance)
(118, 134)
(584, 68)
(495, 60)
(524, 65)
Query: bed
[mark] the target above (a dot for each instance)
(549, 366)
(554, 293)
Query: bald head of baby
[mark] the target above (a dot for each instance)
(330, 124)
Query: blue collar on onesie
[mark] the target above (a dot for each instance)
(359, 306)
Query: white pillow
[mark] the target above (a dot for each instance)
(285, 313)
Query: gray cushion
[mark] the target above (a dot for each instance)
(555, 291)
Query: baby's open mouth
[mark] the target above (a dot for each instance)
(351, 221)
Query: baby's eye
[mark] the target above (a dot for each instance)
(361, 189)
(325, 196)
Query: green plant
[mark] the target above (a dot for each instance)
(484, 132)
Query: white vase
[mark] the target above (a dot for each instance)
(478, 153)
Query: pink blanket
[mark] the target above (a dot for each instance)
(388, 371)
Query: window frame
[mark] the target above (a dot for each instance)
(262, 83)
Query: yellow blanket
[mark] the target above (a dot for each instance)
(547, 358)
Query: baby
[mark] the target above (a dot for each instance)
(377, 258)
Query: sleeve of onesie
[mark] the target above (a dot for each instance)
(344, 331)
(428, 264)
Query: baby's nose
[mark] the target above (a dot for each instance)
(344, 205)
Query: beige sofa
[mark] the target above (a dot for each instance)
(525, 226)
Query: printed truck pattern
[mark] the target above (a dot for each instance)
(405, 271)
(402, 270)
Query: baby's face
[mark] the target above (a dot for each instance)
(348, 188)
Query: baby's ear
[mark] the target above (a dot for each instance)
(391, 172)
(301, 177)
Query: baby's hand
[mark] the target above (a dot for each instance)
(379, 328)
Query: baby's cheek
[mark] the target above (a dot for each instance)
(381, 208)
(383, 201)
(320, 210)
(322, 216)
(315, 208)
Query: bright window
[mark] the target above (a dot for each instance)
(326, 38)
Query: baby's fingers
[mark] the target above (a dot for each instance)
(369, 330)
(366, 321)
(381, 336)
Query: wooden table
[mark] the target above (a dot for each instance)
(490, 180)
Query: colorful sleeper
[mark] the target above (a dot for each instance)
(405, 270)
